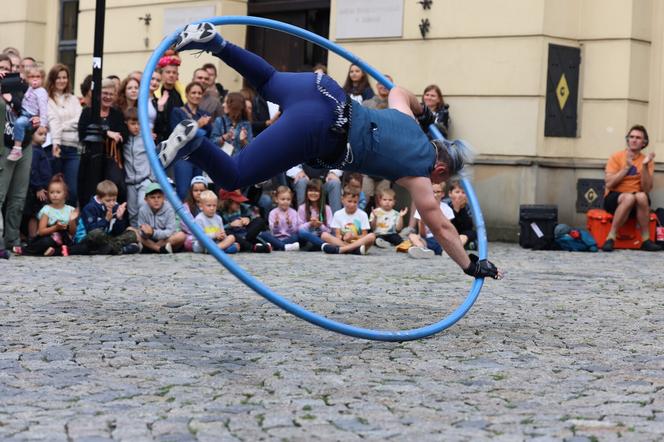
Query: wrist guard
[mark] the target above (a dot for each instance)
(481, 268)
(426, 119)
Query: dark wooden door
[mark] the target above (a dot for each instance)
(286, 52)
(562, 91)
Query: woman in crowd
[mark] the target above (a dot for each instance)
(105, 163)
(64, 111)
(159, 110)
(433, 99)
(234, 126)
(128, 95)
(357, 84)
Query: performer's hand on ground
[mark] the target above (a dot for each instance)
(482, 268)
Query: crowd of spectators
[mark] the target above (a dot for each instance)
(63, 196)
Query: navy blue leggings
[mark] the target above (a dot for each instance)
(302, 132)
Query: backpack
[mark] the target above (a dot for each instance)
(573, 239)
(659, 231)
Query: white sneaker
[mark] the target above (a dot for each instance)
(166, 249)
(183, 133)
(405, 232)
(294, 247)
(195, 36)
(421, 253)
(383, 244)
(15, 154)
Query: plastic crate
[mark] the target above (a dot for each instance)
(627, 237)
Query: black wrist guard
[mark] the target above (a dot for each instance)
(481, 268)
(426, 119)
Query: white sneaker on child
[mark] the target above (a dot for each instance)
(420, 253)
(294, 247)
(381, 243)
(15, 154)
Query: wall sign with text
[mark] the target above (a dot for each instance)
(369, 18)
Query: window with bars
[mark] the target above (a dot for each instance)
(67, 34)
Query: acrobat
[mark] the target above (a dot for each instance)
(322, 126)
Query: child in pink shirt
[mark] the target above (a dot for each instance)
(284, 223)
(34, 110)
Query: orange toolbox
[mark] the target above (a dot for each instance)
(627, 237)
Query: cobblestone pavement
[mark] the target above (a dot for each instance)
(568, 346)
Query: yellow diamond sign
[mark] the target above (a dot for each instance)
(590, 195)
(562, 91)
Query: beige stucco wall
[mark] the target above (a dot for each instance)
(490, 59)
(125, 47)
(31, 27)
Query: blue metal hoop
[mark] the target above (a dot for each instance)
(239, 272)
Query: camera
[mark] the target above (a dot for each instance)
(11, 83)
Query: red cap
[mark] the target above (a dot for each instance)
(234, 195)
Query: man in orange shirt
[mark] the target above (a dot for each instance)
(628, 179)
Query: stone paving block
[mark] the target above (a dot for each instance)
(566, 342)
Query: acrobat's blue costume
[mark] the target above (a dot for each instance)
(318, 125)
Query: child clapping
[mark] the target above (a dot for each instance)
(212, 225)
(385, 221)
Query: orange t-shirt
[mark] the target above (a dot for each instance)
(632, 181)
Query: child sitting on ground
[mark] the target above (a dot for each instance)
(350, 226)
(242, 221)
(102, 228)
(40, 175)
(284, 223)
(157, 223)
(424, 244)
(462, 220)
(385, 221)
(34, 111)
(313, 221)
(57, 223)
(212, 225)
(191, 205)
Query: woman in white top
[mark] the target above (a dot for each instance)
(64, 111)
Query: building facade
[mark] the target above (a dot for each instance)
(544, 90)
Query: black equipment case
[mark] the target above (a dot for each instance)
(536, 225)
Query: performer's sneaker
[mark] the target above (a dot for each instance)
(201, 36)
(183, 133)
